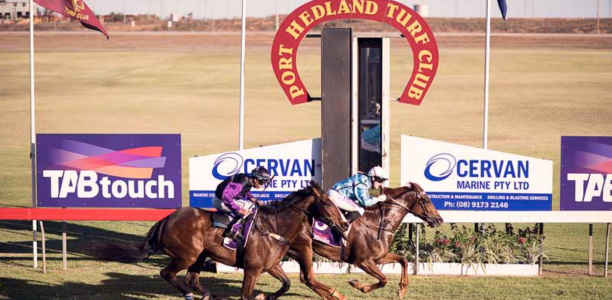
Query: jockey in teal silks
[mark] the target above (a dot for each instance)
(353, 193)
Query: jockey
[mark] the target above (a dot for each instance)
(352, 194)
(233, 195)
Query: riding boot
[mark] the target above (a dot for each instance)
(228, 231)
(352, 216)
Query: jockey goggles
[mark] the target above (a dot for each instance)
(378, 179)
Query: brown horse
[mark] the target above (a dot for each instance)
(188, 237)
(365, 248)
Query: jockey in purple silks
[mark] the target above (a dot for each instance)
(233, 195)
(353, 193)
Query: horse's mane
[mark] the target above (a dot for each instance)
(410, 187)
(299, 194)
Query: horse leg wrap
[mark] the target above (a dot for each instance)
(188, 296)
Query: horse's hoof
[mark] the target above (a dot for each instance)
(209, 296)
(355, 283)
(260, 297)
(401, 293)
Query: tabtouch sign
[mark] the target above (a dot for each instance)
(109, 170)
(586, 173)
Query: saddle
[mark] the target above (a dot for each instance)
(221, 220)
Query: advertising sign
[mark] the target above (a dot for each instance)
(466, 178)
(293, 165)
(586, 173)
(411, 25)
(109, 170)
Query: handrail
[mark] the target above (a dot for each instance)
(466, 216)
(84, 214)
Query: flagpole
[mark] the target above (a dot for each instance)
(485, 125)
(33, 134)
(242, 52)
(486, 83)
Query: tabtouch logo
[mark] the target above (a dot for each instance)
(227, 165)
(79, 168)
(440, 167)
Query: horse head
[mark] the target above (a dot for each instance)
(325, 210)
(413, 198)
(314, 202)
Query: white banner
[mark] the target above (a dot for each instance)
(293, 165)
(459, 177)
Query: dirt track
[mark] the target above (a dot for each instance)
(200, 41)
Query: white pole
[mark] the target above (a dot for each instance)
(33, 134)
(241, 130)
(486, 83)
(276, 12)
(597, 16)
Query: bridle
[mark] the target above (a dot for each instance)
(420, 200)
(324, 219)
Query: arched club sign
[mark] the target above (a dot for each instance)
(408, 22)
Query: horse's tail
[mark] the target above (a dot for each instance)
(130, 253)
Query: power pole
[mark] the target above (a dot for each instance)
(276, 11)
(597, 16)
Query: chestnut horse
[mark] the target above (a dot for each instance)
(188, 237)
(368, 241)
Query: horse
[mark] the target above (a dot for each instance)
(368, 241)
(189, 238)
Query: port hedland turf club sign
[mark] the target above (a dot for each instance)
(109, 170)
(586, 173)
(459, 177)
(412, 26)
(293, 165)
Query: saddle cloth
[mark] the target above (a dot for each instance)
(324, 234)
(244, 227)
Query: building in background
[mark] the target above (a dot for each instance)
(14, 10)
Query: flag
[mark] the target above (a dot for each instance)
(74, 9)
(503, 7)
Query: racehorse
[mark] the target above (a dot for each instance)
(189, 238)
(368, 242)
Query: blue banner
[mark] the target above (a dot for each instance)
(491, 201)
(203, 199)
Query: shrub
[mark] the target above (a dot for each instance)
(468, 247)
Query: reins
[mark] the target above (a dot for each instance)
(382, 225)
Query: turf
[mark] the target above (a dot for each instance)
(140, 84)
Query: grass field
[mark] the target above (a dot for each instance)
(188, 84)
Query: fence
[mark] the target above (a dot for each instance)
(542, 217)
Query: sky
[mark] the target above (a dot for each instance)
(437, 8)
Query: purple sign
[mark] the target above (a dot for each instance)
(109, 170)
(586, 173)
